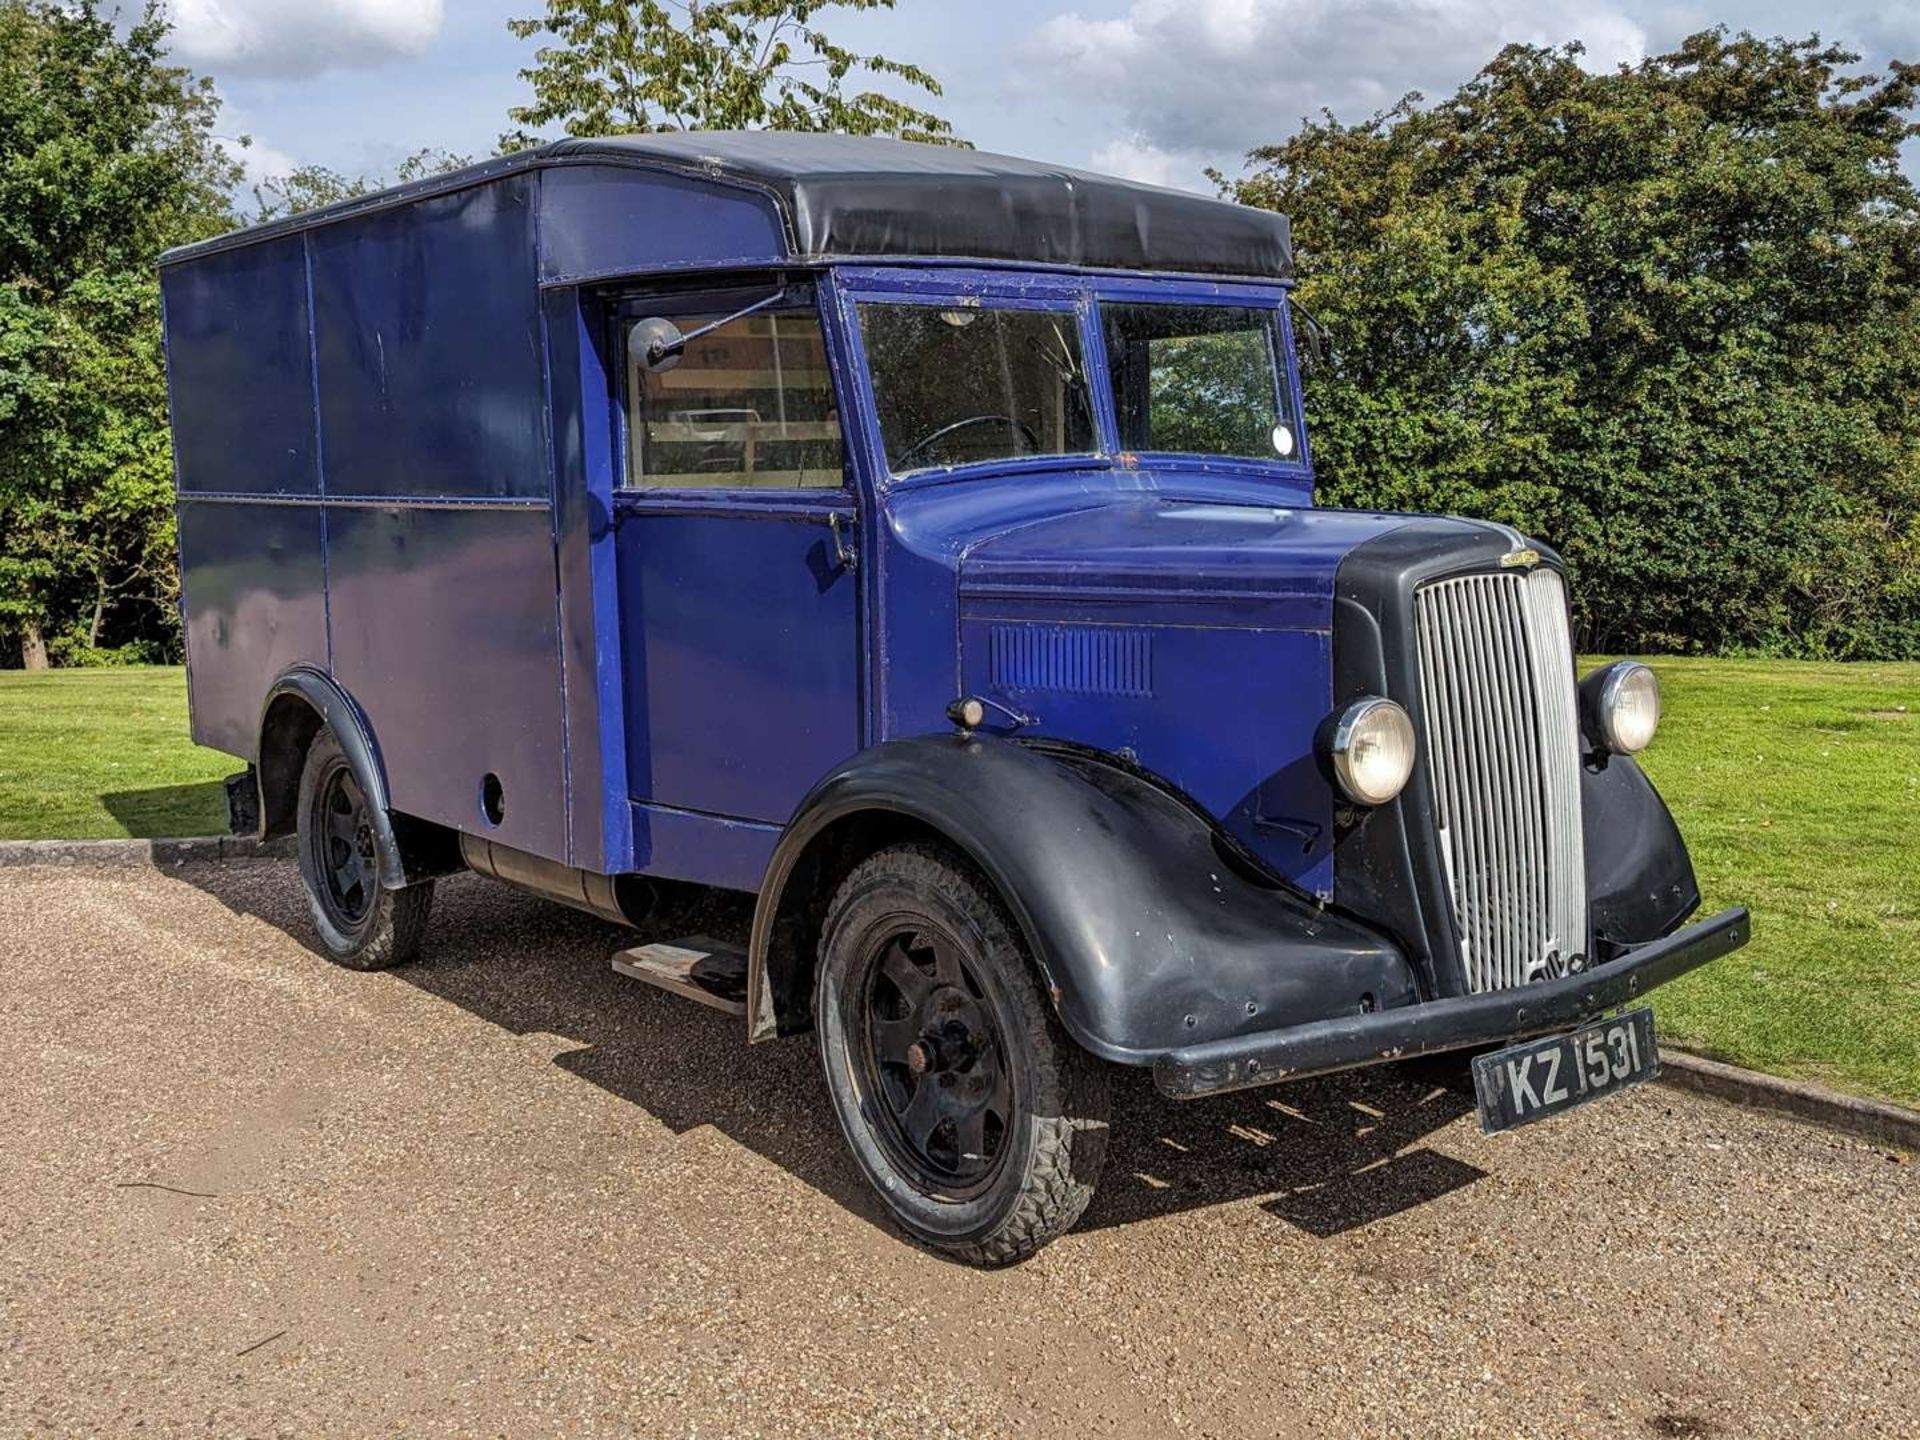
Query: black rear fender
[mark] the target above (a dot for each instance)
(300, 702)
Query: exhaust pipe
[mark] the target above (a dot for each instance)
(623, 899)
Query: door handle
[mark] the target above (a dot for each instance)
(844, 553)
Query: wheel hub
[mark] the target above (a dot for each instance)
(342, 829)
(953, 1033)
(935, 1063)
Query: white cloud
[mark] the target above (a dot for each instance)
(300, 37)
(1216, 77)
(1136, 158)
(261, 162)
(1894, 30)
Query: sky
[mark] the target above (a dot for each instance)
(1156, 90)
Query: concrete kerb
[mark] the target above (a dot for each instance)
(190, 850)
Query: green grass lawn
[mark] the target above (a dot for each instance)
(92, 754)
(1798, 787)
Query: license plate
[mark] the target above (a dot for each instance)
(1529, 1082)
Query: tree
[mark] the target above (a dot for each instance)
(1666, 317)
(107, 157)
(310, 187)
(627, 66)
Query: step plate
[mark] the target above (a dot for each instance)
(696, 968)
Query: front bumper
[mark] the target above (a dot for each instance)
(1463, 1022)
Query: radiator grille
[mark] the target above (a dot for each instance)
(1502, 756)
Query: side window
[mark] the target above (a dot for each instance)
(749, 406)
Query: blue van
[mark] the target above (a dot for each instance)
(923, 541)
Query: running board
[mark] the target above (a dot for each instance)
(695, 968)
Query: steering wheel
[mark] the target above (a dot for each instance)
(929, 441)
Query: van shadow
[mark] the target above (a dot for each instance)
(1326, 1156)
(167, 811)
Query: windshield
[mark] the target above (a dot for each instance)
(1198, 379)
(964, 384)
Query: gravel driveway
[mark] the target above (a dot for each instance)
(506, 1192)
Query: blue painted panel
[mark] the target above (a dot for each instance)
(599, 221)
(944, 278)
(599, 445)
(255, 603)
(444, 630)
(581, 522)
(706, 849)
(1156, 545)
(428, 334)
(240, 371)
(1175, 611)
(1229, 717)
(930, 531)
(742, 657)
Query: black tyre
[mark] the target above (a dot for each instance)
(978, 1121)
(362, 924)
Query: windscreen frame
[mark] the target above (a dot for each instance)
(1061, 289)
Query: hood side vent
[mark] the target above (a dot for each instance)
(1071, 659)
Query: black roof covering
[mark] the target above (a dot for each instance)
(853, 196)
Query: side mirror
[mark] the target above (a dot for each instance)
(1319, 344)
(657, 343)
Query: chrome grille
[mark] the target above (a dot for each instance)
(1501, 749)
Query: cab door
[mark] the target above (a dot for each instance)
(739, 601)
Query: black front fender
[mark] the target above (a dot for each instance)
(1147, 936)
(1640, 881)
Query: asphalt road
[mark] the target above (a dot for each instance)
(506, 1192)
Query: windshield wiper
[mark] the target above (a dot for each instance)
(1062, 364)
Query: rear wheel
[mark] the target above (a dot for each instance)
(362, 924)
(977, 1120)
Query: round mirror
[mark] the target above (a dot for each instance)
(657, 344)
(1282, 441)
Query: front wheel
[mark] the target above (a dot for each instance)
(977, 1120)
(362, 924)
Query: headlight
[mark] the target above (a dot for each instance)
(1370, 747)
(1622, 705)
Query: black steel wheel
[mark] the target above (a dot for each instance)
(343, 833)
(932, 1068)
(361, 923)
(980, 1124)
